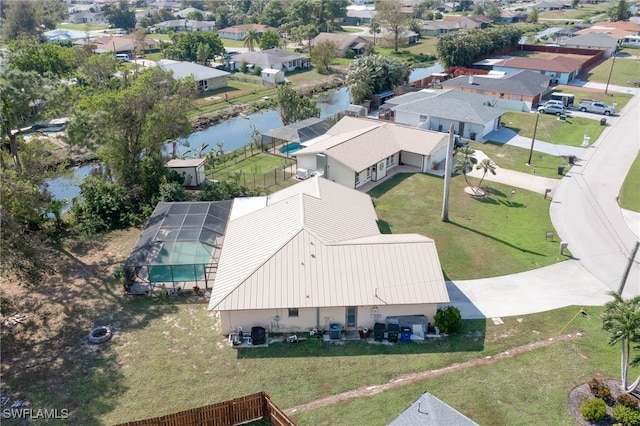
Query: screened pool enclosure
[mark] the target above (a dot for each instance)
(179, 247)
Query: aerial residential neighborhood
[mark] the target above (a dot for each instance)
(302, 212)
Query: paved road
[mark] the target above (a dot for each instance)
(586, 215)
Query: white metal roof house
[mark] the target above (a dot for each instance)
(206, 78)
(359, 150)
(272, 76)
(276, 59)
(472, 115)
(312, 255)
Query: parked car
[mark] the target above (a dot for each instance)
(553, 102)
(553, 109)
(597, 107)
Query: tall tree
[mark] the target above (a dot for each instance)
(184, 46)
(273, 14)
(619, 11)
(493, 11)
(294, 107)
(20, 19)
(130, 126)
(465, 160)
(372, 74)
(487, 166)
(621, 318)
(390, 17)
(120, 15)
(532, 18)
(323, 53)
(374, 29)
(251, 39)
(269, 40)
(304, 35)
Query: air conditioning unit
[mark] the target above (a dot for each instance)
(302, 174)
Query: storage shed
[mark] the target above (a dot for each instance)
(271, 76)
(192, 169)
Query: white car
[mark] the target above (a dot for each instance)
(552, 109)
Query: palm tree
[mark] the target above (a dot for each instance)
(622, 319)
(374, 29)
(250, 39)
(219, 150)
(487, 166)
(465, 161)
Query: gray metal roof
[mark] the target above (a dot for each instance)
(185, 69)
(360, 142)
(267, 58)
(317, 244)
(523, 82)
(591, 40)
(453, 109)
(430, 411)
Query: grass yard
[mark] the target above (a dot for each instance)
(630, 192)
(515, 158)
(624, 72)
(252, 170)
(580, 13)
(620, 99)
(561, 132)
(484, 238)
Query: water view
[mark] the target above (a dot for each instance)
(420, 73)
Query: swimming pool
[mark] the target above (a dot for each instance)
(290, 148)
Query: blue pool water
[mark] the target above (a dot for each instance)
(291, 148)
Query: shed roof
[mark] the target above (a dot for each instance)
(185, 162)
(186, 69)
(317, 244)
(430, 411)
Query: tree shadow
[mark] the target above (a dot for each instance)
(496, 239)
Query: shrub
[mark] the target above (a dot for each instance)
(626, 416)
(627, 400)
(448, 320)
(173, 191)
(593, 409)
(600, 390)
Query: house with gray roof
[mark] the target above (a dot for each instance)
(312, 255)
(184, 12)
(357, 150)
(430, 411)
(206, 78)
(519, 90)
(277, 59)
(472, 115)
(346, 44)
(187, 25)
(596, 41)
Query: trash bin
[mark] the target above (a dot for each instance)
(378, 331)
(472, 136)
(258, 335)
(572, 159)
(393, 331)
(561, 170)
(405, 334)
(334, 331)
(603, 121)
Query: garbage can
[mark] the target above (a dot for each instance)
(378, 331)
(405, 334)
(393, 331)
(334, 331)
(561, 170)
(572, 159)
(603, 121)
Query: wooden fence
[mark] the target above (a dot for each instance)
(257, 406)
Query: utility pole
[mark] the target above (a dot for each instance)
(611, 71)
(448, 165)
(628, 268)
(533, 139)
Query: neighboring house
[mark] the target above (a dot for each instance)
(187, 25)
(554, 33)
(510, 16)
(62, 35)
(597, 41)
(360, 15)
(192, 169)
(88, 18)
(634, 9)
(206, 78)
(407, 37)
(562, 69)
(359, 150)
(238, 32)
(276, 59)
(430, 411)
(518, 91)
(312, 255)
(547, 6)
(468, 22)
(169, 6)
(122, 44)
(472, 115)
(345, 43)
(271, 76)
(616, 30)
(435, 28)
(184, 12)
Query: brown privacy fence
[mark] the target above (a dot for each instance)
(255, 407)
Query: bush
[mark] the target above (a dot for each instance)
(593, 409)
(627, 400)
(173, 191)
(600, 390)
(448, 320)
(626, 416)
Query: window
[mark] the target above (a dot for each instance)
(357, 178)
(369, 173)
(422, 118)
(390, 160)
(293, 312)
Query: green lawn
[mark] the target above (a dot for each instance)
(630, 192)
(82, 27)
(515, 158)
(251, 170)
(484, 238)
(561, 132)
(624, 71)
(620, 99)
(579, 13)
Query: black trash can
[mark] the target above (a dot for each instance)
(572, 159)
(405, 334)
(393, 331)
(378, 331)
(258, 336)
(603, 121)
(561, 170)
(334, 331)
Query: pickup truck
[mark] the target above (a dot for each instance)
(597, 107)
